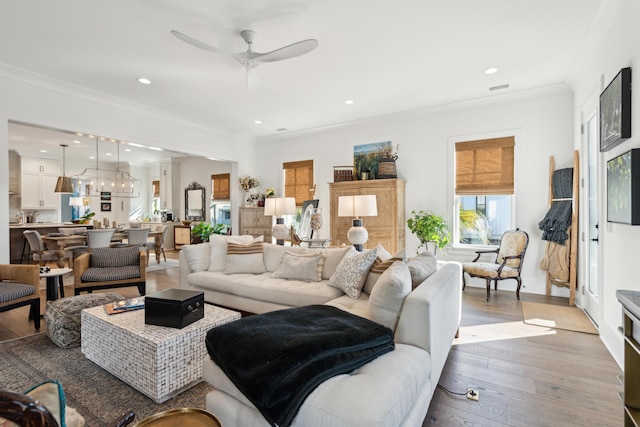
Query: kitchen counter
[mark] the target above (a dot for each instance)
(38, 225)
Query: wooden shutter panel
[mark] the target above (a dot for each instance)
(221, 186)
(485, 167)
(298, 180)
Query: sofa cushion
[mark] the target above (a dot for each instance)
(273, 254)
(244, 258)
(358, 306)
(305, 267)
(422, 266)
(218, 249)
(332, 258)
(264, 287)
(115, 257)
(197, 256)
(352, 272)
(387, 296)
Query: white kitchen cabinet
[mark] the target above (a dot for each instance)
(170, 186)
(39, 178)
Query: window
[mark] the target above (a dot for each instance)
(220, 186)
(484, 190)
(298, 180)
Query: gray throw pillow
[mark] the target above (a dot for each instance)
(422, 266)
(304, 267)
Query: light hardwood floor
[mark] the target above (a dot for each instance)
(559, 379)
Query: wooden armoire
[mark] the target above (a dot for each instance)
(387, 228)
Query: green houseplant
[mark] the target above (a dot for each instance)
(202, 230)
(429, 227)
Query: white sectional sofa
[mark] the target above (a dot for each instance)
(420, 300)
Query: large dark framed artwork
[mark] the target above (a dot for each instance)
(615, 111)
(623, 188)
(304, 229)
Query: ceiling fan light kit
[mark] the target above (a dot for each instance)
(251, 59)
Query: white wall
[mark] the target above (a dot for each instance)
(619, 244)
(542, 121)
(34, 99)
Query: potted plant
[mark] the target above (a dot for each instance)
(202, 230)
(429, 227)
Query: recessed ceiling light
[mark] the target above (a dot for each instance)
(133, 144)
(127, 149)
(75, 141)
(491, 70)
(144, 81)
(43, 151)
(349, 102)
(156, 149)
(92, 157)
(258, 122)
(108, 154)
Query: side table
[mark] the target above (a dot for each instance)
(54, 277)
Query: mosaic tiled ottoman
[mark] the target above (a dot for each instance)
(158, 361)
(62, 316)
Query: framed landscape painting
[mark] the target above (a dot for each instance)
(366, 157)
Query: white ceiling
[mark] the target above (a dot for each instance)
(387, 56)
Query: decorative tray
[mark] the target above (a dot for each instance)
(182, 417)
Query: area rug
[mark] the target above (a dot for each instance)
(97, 395)
(169, 263)
(557, 316)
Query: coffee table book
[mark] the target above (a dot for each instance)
(124, 305)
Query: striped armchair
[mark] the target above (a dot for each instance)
(19, 286)
(106, 268)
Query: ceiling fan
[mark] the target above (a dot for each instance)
(251, 59)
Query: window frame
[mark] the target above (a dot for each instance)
(455, 213)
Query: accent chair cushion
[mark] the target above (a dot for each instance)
(115, 257)
(108, 274)
(10, 291)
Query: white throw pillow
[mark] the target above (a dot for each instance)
(422, 266)
(244, 258)
(305, 267)
(352, 272)
(332, 258)
(197, 256)
(383, 254)
(218, 248)
(387, 296)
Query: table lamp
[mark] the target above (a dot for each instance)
(277, 206)
(357, 206)
(76, 203)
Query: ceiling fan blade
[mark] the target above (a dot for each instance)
(197, 43)
(291, 51)
(253, 80)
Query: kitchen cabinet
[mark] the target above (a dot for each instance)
(170, 192)
(254, 222)
(387, 228)
(630, 397)
(38, 182)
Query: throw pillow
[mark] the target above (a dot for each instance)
(218, 248)
(273, 254)
(352, 272)
(383, 254)
(332, 258)
(387, 296)
(115, 257)
(379, 266)
(197, 256)
(305, 267)
(244, 258)
(422, 266)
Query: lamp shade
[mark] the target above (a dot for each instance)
(64, 185)
(75, 201)
(357, 205)
(279, 206)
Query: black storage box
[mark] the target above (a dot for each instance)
(175, 308)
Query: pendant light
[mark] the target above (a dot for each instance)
(64, 184)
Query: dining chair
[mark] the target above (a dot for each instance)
(99, 238)
(39, 252)
(73, 251)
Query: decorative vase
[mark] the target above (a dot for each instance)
(247, 199)
(315, 220)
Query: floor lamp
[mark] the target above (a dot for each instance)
(277, 206)
(357, 206)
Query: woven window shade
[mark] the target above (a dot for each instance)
(221, 186)
(485, 167)
(298, 180)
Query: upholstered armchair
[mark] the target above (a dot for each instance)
(507, 264)
(107, 268)
(19, 286)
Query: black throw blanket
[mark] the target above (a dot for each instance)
(277, 359)
(558, 219)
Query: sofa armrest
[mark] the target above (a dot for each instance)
(184, 270)
(430, 315)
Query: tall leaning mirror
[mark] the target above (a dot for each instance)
(194, 202)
